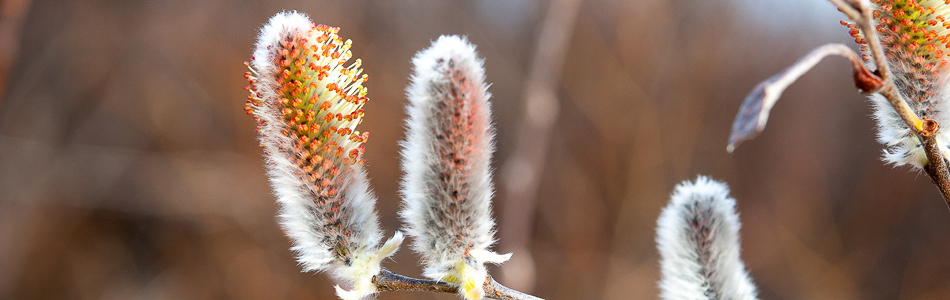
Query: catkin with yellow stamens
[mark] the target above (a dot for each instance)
(915, 36)
(307, 103)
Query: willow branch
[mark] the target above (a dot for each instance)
(888, 90)
(495, 290)
(925, 129)
(388, 281)
(754, 112)
(937, 168)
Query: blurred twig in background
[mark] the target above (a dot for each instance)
(12, 14)
(521, 172)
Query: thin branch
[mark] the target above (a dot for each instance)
(888, 90)
(388, 281)
(495, 290)
(866, 22)
(754, 112)
(937, 168)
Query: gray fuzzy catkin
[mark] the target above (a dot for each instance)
(697, 236)
(447, 185)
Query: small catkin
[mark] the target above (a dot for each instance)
(697, 236)
(447, 186)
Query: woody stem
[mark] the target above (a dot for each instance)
(388, 281)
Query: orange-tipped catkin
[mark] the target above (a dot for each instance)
(915, 36)
(307, 103)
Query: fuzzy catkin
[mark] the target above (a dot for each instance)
(914, 36)
(698, 240)
(447, 186)
(307, 105)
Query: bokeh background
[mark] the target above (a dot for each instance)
(128, 169)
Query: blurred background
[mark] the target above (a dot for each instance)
(128, 169)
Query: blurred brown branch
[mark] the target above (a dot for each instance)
(754, 112)
(522, 172)
(12, 15)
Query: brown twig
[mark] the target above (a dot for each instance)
(495, 290)
(388, 281)
(13, 14)
(888, 90)
(754, 112)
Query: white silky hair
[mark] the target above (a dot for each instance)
(302, 220)
(698, 239)
(926, 93)
(447, 185)
(901, 146)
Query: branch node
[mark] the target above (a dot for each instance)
(928, 127)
